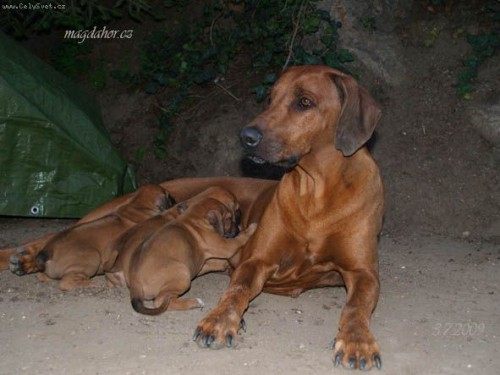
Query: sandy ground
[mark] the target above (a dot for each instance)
(438, 313)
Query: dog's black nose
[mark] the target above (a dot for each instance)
(250, 137)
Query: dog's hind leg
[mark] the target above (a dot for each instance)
(184, 304)
(75, 280)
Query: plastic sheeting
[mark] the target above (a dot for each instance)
(56, 158)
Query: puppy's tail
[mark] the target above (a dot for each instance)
(138, 306)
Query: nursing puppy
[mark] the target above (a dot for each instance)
(161, 269)
(130, 242)
(88, 249)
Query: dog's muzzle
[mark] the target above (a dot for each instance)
(250, 137)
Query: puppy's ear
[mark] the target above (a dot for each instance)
(237, 217)
(214, 217)
(168, 201)
(359, 115)
(181, 207)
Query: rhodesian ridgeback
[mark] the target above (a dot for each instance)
(162, 267)
(76, 254)
(318, 226)
(321, 226)
(131, 241)
(252, 194)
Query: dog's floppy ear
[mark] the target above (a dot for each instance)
(215, 219)
(181, 207)
(359, 115)
(167, 202)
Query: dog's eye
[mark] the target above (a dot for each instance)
(304, 103)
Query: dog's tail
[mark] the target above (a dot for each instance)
(138, 306)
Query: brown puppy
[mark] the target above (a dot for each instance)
(253, 196)
(130, 241)
(85, 250)
(320, 227)
(161, 269)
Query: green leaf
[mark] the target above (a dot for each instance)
(324, 15)
(139, 154)
(327, 40)
(152, 88)
(269, 79)
(311, 25)
(310, 59)
(203, 76)
(345, 56)
(260, 92)
(160, 153)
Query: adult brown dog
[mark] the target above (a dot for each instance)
(161, 269)
(321, 226)
(318, 227)
(78, 253)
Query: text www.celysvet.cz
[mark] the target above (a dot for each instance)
(34, 6)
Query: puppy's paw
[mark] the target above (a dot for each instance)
(22, 262)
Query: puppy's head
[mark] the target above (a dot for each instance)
(219, 207)
(149, 200)
(224, 221)
(308, 105)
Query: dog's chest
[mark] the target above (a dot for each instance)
(304, 266)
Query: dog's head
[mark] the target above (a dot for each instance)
(219, 207)
(147, 201)
(308, 106)
(225, 215)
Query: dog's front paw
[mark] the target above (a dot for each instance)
(220, 328)
(22, 262)
(356, 348)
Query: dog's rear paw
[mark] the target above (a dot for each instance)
(22, 262)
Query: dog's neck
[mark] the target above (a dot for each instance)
(319, 169)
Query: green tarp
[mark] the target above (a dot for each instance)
(56, 158)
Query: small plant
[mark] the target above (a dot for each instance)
(22, 18)
(68, 58)
(98, 76)
(368, 23)
(484, 46)
(72, 59)
(271, 34)
(431, 35)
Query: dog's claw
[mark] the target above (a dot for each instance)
(229, 340)
(362, 364)
(202, 342)
(352, 362)
(209, 339)
(196, 333)
(378, 361)
(331, 346)
(243, 325)
(338, 358)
